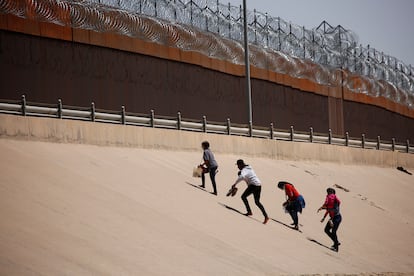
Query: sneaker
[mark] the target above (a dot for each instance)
(335, 247)
(265, 220)
(214, 193)
(296, 227)
(232, 191)
(202, 186)
(248, 214)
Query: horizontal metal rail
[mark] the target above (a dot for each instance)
(150, 120)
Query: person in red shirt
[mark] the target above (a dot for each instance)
(331, 205)
(294, 201)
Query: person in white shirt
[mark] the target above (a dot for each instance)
(254, 186)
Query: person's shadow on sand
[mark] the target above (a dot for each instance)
(288, 226)
(237, 211)
(320, 244)
(198, 187)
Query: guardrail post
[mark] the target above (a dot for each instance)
(378, 142)
(179, 120)
(363, 141)
(93, 112)
(393, 144)
(292, 133)
(330, 136)
(123, 121)
(152, 120)
(59, 111)
(204, 124)
(346, 138)
(23, 105)
(272, 135)
(250, 129)
(408, 146)
(228, 126)
(311, 134)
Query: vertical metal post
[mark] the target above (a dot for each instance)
(229, 21)
(292, 133)
(311, 134)
(304, 42)
(408, 146)
(93, 112)
(228, 126)
(250, 129)
(346, 138)
(23, 105)
(191, 12)
(272, 135)
(206, 23)
(363, 141)
(393, 144)
(255, 26)
(278, 34)
(204, 124)
(247, 64)
(175, 13)
(59, 111)
(330, 136)
(378, 142)
(123, 121)
(179, 120)
(218, 17)
(152, 120)
(267, 30)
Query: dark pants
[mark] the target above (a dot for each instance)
(293, 208)
(212, 172)
(255, 190)
(331, 230)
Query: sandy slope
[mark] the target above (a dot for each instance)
(69, 209)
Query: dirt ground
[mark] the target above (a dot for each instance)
(71, 209)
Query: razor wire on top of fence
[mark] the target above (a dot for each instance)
(326, 45)
(216, 30)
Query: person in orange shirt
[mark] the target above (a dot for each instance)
(294, 201)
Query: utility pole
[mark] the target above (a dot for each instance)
(247, 65)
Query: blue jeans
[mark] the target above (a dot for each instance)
(331, 230)
(293, 208)
(212, 172)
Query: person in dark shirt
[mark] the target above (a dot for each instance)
(209, 165)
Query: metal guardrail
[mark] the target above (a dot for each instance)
(25, 108)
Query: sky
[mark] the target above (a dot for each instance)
(386, 25)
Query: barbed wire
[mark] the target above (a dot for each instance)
(216, 30)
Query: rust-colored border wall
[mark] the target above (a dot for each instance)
(169, 80)
(46, 70)
(115, 41)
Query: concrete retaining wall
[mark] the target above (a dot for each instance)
(71, 131)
